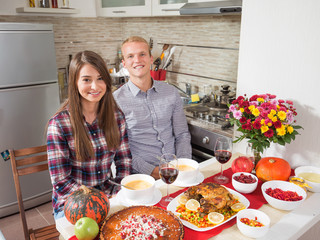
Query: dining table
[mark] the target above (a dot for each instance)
(285, 225)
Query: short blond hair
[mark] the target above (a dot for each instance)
(135, 39)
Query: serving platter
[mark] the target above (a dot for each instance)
(174, 204)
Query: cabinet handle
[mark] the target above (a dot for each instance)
(170, 10)
(119, 11)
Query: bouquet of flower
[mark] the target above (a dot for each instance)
(263, 119)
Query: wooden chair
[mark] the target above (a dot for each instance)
(27, 161)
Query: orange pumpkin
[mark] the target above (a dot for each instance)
(272, 168)
(86, 202)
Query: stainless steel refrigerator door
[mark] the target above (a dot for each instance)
(24, 113)
(27, 57)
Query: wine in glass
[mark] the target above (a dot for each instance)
(222, 152)
(168, 170)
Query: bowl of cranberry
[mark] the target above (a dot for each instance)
(283, 195)
(244, 182)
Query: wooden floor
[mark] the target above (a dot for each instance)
(39, 216)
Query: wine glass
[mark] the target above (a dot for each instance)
(222, 152)
(168, 170)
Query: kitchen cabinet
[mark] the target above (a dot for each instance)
(138, 8)
(167, 7)
(123, 8)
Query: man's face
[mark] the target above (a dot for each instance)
(136, 59)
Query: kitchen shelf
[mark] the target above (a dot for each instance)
(47, 10)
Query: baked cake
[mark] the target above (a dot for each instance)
(142, 222)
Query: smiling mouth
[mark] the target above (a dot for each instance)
(138, 67)
(94, 93)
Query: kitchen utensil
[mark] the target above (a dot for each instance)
(157, 62)
(169, 56)
(168, 64)
(118, 184)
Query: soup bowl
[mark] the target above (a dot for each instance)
(188, 170)
(304, 172)
(143, 185)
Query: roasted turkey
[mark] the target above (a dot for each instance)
(211, 196)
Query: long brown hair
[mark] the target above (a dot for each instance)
(106, 110)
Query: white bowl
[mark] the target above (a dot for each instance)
(250, 231)
(285, 186)
(309, 169)
(244, 187)
(187, 176)
(139, 196)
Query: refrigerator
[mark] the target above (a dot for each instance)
(29, 96)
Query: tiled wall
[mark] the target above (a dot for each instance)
(206, 53)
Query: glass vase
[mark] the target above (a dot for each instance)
(254, 155)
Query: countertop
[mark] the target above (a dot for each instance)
(285, 225)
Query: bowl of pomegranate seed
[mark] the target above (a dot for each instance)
(283, 195)
(244, 182)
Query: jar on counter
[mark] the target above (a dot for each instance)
(54, 3)
(32, 3)
(44, 4)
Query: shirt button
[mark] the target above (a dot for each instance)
(57, 187)
(99, 172)
(99, 147)
(159, 138)
(94, 134)
(155, 126)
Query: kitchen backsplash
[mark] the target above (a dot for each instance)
(206, 53)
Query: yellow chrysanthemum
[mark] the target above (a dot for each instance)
(274, 119)
(241, 110)
(278, 107)
(260, 99)
(264, 129)
(281, 131)
(256, 112)
(251, 107)
(282, 115)
(262, 121)
(269, 124)
(290, 129)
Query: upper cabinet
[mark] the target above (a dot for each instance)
(167, 7)
(138, 8)
(123, 8)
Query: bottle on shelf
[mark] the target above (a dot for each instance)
(54, 3)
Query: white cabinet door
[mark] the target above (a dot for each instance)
(123, 8)
(167, 7)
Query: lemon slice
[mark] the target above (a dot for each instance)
(215, 218)
(192, 205)
(237, 207)
(183, 199)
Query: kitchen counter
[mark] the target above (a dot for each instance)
(285, 225)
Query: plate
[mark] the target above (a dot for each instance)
(174, 204)
(199, 180)
(128, 203)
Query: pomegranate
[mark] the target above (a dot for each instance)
(242, 164)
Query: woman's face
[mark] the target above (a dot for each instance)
(91, 86)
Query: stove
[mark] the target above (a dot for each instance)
(209, 113)
(207, 122)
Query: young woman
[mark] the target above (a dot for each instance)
(87, 134)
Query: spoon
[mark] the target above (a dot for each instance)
(118, 184)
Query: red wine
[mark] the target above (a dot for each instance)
(168, 175)
(222, 156)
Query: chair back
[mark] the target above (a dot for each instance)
(24, 162)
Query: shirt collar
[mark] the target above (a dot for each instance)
(135, 90)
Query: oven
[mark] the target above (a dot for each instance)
(203, 142)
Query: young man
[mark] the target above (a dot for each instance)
(153, 111)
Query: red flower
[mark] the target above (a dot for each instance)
(277, 124)
(254, 98)
(256, 124)
(247, 126)
(242, 120)
(269, 133)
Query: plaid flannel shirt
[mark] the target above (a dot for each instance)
(68, 174)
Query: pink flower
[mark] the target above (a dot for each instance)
(237, 114)
(232, 108)
(289, 102)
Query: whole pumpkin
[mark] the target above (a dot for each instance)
(86, 202)
(242, 164)
(272, 168)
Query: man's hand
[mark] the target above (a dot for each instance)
(155, 173)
